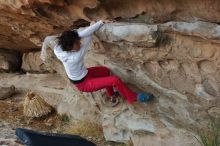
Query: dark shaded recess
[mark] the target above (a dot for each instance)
(80, 23)
(139, 18)
(30, 50)
(57, 9)
(162, 39)
(39, 11)
(69, 2)
(18, 58)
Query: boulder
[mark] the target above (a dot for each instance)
(31, 62)
(6, 92)
(129, 33)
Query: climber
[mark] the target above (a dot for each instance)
(70, 48)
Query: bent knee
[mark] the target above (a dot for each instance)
(116, 79)
(107, 70)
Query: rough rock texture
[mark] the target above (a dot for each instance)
(201, 29)
(7, 136)
(13, 40)
(56, 91)
(34, 19)
(184, 80)
(121, 123)
(170, 48)
(129, 34)
(31, 62)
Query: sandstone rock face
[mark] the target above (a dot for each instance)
(170, 48)
(131, 34)
(197, 28)
(32, 20)
(184, 80)
(31, 62)
(13, 40)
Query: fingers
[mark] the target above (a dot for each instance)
(105, 21)
(109, 21)
(92, 22)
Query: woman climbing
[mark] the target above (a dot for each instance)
(71, 47)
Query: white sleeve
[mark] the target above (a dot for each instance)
(84, 46)
(49, 41)
(86, 36)
(91, 29)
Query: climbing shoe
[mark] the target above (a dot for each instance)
(112, 101)
(144, 97)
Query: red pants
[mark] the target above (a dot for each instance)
(99, 78)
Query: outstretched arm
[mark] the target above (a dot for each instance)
(86, 35)
(91, 29)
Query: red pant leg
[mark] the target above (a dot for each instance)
(91, 84)
(101, 71)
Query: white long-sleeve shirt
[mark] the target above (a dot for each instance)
(74, 61)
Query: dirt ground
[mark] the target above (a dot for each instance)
(11, 117)
(11, 114)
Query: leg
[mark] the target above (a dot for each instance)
(101, 71)
(94, 84)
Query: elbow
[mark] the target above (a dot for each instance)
(49, 38)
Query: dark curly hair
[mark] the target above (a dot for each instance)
(67, 39)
